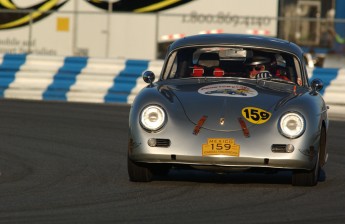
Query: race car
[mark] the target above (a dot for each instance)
(229, 102)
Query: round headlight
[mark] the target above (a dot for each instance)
(152, 118)
(292, 125)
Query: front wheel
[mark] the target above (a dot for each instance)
(138, 172)
(306, 177)
(310, 177)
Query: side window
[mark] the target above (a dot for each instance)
(173, 69)
(171, 66)
(299, 72)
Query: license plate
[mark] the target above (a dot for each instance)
(220, 146)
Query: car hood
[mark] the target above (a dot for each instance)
(219, 105)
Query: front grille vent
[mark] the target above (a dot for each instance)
(162, 142)
(158, 142)
(282, 148)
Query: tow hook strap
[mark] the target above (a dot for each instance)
(199, 125)
(244, 128)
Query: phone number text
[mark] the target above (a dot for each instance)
(226, 18)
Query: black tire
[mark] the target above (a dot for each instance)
(311, 177)
(323, 150)
(306, 177)
(138, 172)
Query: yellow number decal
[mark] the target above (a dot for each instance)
(255, 115)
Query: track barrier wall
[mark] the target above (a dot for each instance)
(97, 80)
(72, 79)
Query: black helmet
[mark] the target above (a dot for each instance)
(258, 60)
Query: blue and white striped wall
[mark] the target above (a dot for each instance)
(81, 79)
(334, 84)
(73, 79)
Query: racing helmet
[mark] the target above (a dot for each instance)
(279, 61)
(258, 60)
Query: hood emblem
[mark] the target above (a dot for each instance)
(222, 121)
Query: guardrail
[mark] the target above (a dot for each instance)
(96, 80)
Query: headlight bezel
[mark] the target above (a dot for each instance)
(151, 126)
(290, 116)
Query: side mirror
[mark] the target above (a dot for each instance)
(316, 86)
(148, 77)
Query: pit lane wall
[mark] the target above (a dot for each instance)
(97, 80)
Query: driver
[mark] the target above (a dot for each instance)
(257, 65)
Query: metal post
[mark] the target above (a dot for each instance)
(74, 32)
(156, 35)
(107, 42)
(30, 33)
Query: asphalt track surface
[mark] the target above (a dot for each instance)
(66, 163)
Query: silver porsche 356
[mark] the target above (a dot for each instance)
(229, 102)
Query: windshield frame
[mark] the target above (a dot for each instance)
(170, 68)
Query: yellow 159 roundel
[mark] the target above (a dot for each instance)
(255, 115)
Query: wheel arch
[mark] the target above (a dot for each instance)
(323, 142)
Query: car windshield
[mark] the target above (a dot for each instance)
(234, 62)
